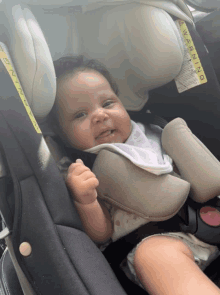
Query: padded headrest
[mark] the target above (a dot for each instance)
(139, 44)
(31, 57)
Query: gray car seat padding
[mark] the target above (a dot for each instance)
(204, 4)
(54, 148)
(9, 284)
(195, 162)
(135, 60)
(206, 27)
(126, 186)
(31, 56)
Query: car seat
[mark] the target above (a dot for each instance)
(70, 263)
(63, 259)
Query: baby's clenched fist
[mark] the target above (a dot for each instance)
(82, 183)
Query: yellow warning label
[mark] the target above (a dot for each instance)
(9, 68)
(2, 54)
(192, 51)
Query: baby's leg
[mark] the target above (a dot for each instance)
(165, 265)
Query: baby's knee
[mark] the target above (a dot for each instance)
(160, 249)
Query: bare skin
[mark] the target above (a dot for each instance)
(95, 217)
(166, 265)
(91, 114)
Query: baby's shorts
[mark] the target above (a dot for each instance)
(203, 253)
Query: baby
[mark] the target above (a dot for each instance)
(89, 113)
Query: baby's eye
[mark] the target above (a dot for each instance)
(108, 103)
(80, 115)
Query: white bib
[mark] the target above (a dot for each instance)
(140, 151)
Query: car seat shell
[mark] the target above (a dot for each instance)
(65, 232)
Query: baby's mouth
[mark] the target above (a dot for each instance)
(105, 133)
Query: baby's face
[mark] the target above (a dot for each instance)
(90, 113)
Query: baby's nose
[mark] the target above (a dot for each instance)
(99, 116)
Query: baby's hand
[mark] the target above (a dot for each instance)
(82, 183)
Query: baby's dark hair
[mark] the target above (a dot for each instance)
(68, 66)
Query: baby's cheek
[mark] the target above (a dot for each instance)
(127, 127)
(82, 139)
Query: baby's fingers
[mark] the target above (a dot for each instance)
(86, 175)
(92, 182)
(77, 169)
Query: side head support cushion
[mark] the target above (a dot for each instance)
(195, 162)
(132, 189)
(31, 57)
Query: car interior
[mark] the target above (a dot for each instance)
(143, 45)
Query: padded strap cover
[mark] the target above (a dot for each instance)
(121, 183)
(195, 162)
